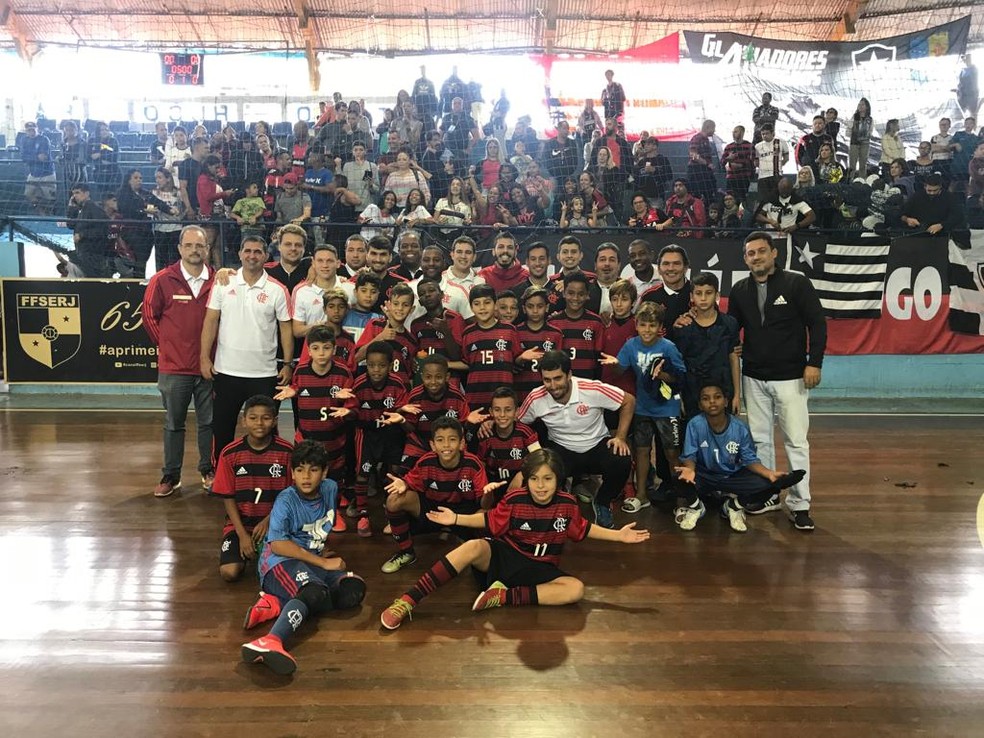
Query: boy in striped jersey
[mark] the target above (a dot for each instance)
(535, 335)
(518, 565)
(490, 348)
(248, 477)
(392, 329)
(509, 442)
(583, 331)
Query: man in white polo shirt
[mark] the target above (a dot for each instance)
(461, 274)
(246, 315)
(308, 297)
(573, 411)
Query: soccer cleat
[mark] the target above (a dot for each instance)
(339, 526)
(494, 596)
(167, 486)
(634, 504)
(768, 506)
(267, 607)
(397, 561)
(394, 615)
(364, 529)
(801, 519)
(603, 515)
(208, 478)
(687, 517)
(269, 650)
(736, 516)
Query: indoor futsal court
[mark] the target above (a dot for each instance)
(117, 623)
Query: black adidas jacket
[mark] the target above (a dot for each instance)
(777, 349)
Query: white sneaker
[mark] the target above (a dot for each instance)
(736, 517)
(687, 517)
(634, 504)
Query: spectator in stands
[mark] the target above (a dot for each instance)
(763, 115)
(523, 132)
(931, 211)
(827, 169)
(589, 120)
(266, 151)
(684, 212)
(317, 185)
(90, 227)
(487, 170)
(167, 221)
(644, 214)
(342, 211)
(859, 130)
(520, 159)
(212, 198)
(609, 179)
(975, 212)
(831, 125)
(738, 163)
(459, 130)
(965, 143)
(653, 172)
(248, 212)
(733, 213)
(524, 212)
(363, 175)
(975, 169)
(805, 180)
(574, 216)
(176, 151)
(292, 205)
(104, 160)
(405, 176)
(613, 98)
(620, 155)
(408, 127)
(892, 147)
(924, 164)
(453, 210)
(594, 200)
(899, 177)
(771, 155)
(158, 147)
(374, 216)
(786, 212)
(414, 211)
(385, 159)
(487, 207)
(808, 148)
(137, 207)
(299, 148)
(72, 156)
(219, 146)
(539, 187)
(245, 163)
(189, 170)
(560, 155)
(383, 130)
(942, 148)
(352, 133)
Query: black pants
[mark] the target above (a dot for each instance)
(230, 394)
(614, 469)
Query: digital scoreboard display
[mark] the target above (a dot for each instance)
(182, 69)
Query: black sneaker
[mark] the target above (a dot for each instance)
(768, 506)
(801, 519)
(662, 495)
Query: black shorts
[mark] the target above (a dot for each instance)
(423, 524)
(514, 569)
(382, 446)
(229, 552)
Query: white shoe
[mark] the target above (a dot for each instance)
(687, 517)
(736, 517)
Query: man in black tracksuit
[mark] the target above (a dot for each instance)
(785, 334)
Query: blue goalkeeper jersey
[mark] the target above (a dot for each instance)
(718, 453)
(301, 520)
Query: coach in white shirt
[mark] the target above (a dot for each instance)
(573, 410)
(242, 322)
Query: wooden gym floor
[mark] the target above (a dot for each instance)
(114, 621)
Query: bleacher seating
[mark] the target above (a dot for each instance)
(119, 126)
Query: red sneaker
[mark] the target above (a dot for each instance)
(494, 596)
(267, 607)
(364, 529)
(339, 526)
(394, 615)
(269, 650)
(167, 487)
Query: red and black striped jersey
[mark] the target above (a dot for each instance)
(253, 478)
(344, 350)
(547, 338)
(372, 401)
(404, 348)
(451, 404)
(583, 341)
(491, 357)
(315, 401)
(449, 487)
(618, 332)
(503, 457)
(430, 340)
(537, 531)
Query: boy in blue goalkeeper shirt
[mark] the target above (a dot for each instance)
(299, 577)
(719, 461)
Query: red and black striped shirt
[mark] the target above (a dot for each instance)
(547, 338)
(372, 401)
(404, 348)
(315, 401)
(491, 356)
(451, 404)
(583, 340)
(462, 485)
(253, 478)
(503, 457)
(537, 531)
(344, 350)
(430, 340)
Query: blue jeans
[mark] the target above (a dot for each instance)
(177, 392)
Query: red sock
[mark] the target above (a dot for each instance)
(442, 572)
(521, 596)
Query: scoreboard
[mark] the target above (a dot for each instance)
(182, 69)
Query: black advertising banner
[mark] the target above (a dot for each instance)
(751, 52)
(76, 331)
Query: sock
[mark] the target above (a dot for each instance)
(522, 596)
(291, 617)
(361, 492)
(441, 573)
(400, 526)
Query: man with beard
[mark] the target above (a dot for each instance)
(506, 272)
(808, 148)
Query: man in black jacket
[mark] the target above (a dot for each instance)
(785, 334)
(90, 225)
(932, 210)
